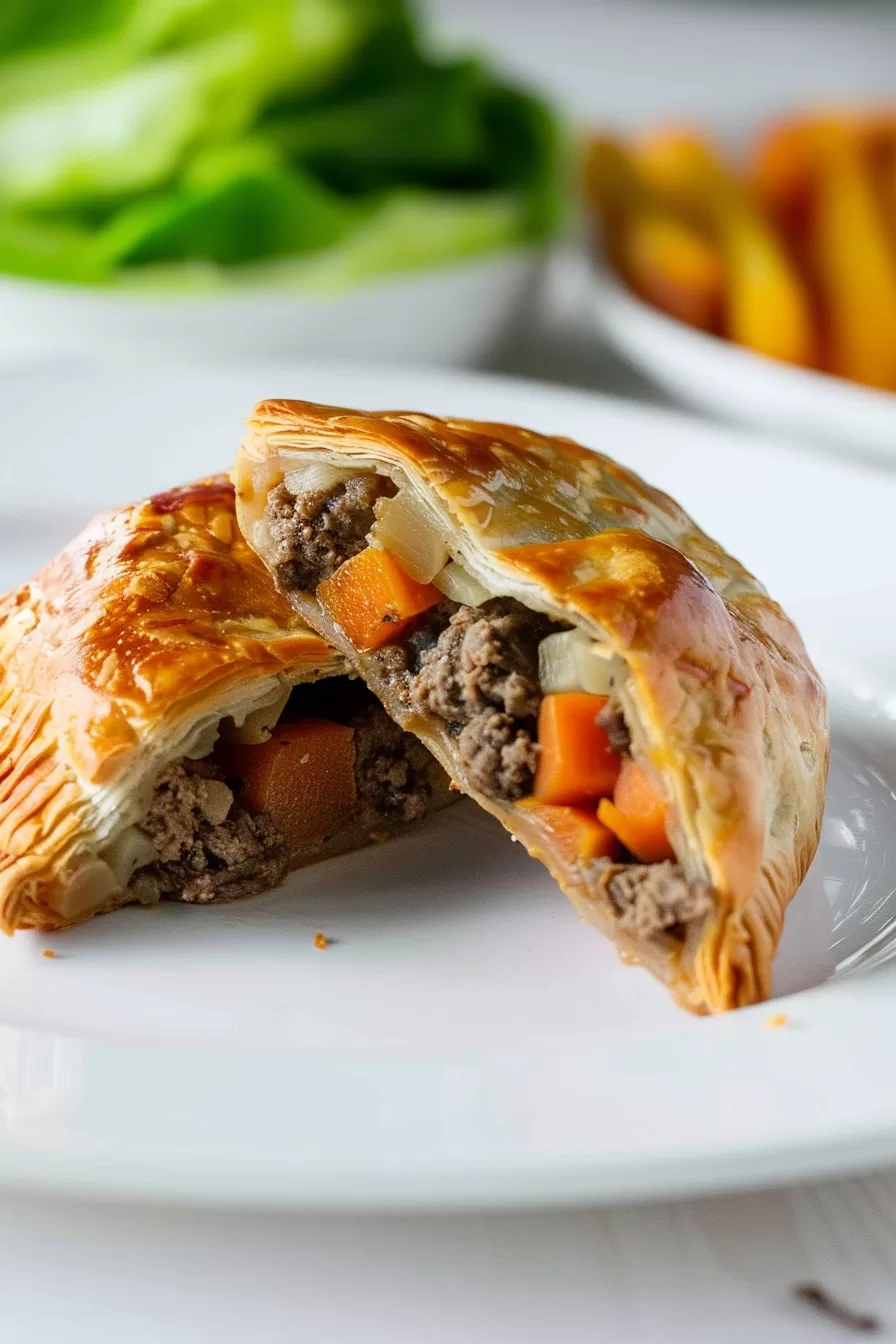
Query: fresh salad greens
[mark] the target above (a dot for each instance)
(190, 141)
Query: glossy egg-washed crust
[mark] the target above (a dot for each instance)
(158, 615)
(724, 705)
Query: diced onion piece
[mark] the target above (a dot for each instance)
(598, 672)
(257, 727)
(558, 668)
(570, 661)
(313, 477)
(216, 801)
(405, 529)
(459, 584)
(129, 851)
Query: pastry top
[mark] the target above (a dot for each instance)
(127, 647)
(722, 698)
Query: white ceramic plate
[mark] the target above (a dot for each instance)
(478, 304)
(725, 379)
(466, 1040)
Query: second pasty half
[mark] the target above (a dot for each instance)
(586, 663)
(170, 728)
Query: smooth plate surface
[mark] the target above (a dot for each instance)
(724, 379)
(465, 1041)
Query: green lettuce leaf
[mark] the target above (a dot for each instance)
(410, 230)
(192, 142)
(236, 205)
(131, 131)
(427, 127)
(46, 250)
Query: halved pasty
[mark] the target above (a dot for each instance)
(171, 729)
(586, 663)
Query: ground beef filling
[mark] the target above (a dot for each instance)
(209, 847)
(314, 533)
(652, 898)
(476, 669)
(480, 675)
(612, 721)
(394, 773)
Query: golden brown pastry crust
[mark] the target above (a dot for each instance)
(726, 705)
(157, 616)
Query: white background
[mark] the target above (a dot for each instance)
(701, 1271)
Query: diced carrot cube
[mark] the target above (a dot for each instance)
(577, 833)
(576, 763)
(637, 815)
(303, 777)
(372, 599)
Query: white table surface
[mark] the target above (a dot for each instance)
(706, 1270)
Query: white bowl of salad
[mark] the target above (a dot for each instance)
(222, 178)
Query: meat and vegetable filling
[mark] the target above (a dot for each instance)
(530, 703)
(315, 532)
(235, 822)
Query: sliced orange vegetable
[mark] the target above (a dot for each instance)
(768, 307)
(788, 154)
(576, 831)
(610, 180)
(671, 264)
(855, 268)
(576, 763)
(637, 815)
(372, 599)
(677, 163)
(303, 777)
(662, 256)
(782, 173)
(614, 192)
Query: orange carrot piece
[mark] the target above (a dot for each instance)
(637, 815)
(303, 777)
(672, 265)
(372, 599)
(576, 763)
(576, 832)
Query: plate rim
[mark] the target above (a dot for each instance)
(817, 405)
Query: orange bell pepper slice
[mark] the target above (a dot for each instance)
(637, 815)
(372, 599)
(576, 763)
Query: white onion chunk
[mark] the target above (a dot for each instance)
(405, 528)
(570, 661)
(460, 585)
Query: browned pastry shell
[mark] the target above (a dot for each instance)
(724, 703)
(114, 660)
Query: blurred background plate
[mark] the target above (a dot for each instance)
(726, 380)
(465, 1041)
